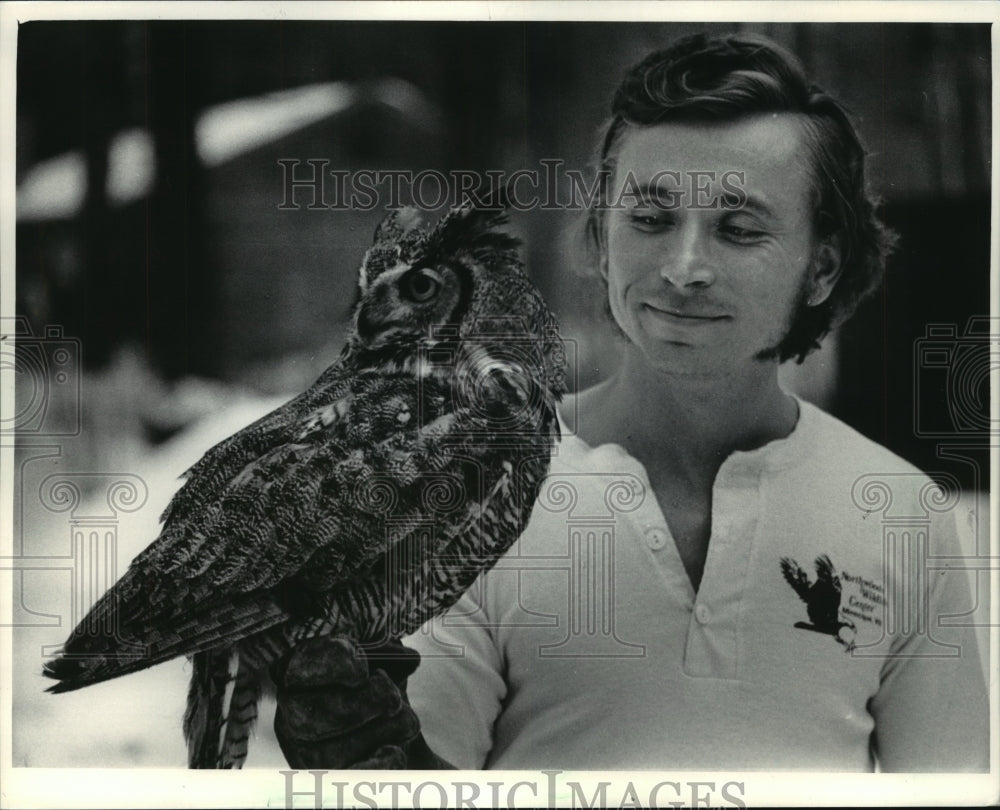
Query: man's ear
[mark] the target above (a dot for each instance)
(827, 265)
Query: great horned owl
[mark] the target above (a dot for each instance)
(365, 505)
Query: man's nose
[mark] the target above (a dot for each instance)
(688, 263)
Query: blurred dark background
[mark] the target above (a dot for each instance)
(149, 188)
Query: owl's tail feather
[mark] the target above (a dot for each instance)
(241, 714)
(208, 720)
(90, 658)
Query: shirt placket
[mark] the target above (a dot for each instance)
(655, 534)
(713, 639)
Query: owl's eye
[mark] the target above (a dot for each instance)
(420, 285)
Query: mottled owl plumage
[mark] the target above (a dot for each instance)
(365, 505)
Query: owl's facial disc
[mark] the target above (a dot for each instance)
(405, 301)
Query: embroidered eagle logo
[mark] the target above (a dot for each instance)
(822, 598)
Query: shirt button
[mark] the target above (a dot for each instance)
(702, 614)
(656, 538)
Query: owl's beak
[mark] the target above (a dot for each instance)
(366, 326)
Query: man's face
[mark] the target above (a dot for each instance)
(711, 249)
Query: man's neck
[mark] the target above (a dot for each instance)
(687, 424)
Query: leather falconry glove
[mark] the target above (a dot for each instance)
(341, 706)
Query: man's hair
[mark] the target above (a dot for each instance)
(701, 79)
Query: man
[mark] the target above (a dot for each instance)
(705, 582)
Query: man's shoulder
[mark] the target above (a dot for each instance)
(835, 444)
(843, 467)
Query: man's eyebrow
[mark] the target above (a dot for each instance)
(649, 190)
(657, 191)
(756, 205)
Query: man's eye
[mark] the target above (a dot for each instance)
(646, 219)
(743, 235)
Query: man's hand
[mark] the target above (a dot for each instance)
(342, 707)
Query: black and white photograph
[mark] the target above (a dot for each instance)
(476, 405)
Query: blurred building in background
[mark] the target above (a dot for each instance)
(150, 192)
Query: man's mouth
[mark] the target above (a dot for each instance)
(683, 315)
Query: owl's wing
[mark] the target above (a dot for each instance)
(223, 461)
(489, 488)
(216, 575)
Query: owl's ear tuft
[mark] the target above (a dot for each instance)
(483, 214)
(397, 223)
(475, 225)
(396, 236)
(474, 220)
